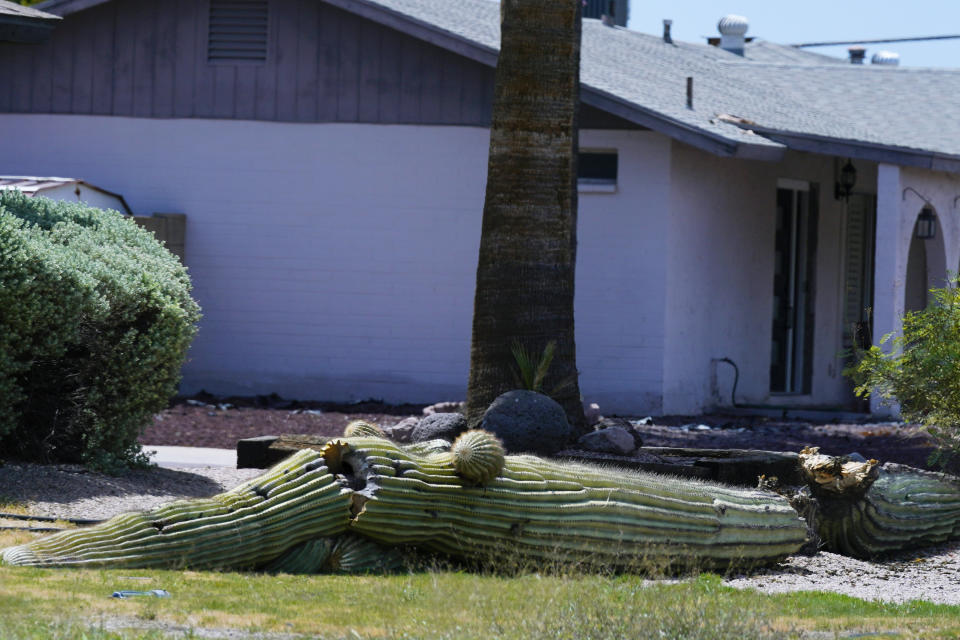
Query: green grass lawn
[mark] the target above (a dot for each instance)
(434, 603)
(57, 603)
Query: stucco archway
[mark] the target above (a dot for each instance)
(926, 269)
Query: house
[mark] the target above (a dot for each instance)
(330, 158)
(69, 189)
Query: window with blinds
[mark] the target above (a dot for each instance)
(237, 31)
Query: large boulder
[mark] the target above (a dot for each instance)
(439, 425)
(527, 421)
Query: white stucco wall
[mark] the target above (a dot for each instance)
(942, 190)
(621, 276)
(897, 211)
(720, 280)
(337, 261)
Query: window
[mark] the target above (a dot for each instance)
(597, 171)
(237, 31)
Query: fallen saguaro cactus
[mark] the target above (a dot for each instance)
(864, 509)
(469, 501)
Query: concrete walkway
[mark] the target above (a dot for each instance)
(192, 456)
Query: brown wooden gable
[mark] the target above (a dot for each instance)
(149, 58)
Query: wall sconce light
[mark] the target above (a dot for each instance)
(848, 179)
(926, 224)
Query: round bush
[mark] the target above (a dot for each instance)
(95, 321)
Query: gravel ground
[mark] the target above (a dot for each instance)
(929, 574)
(68, 491)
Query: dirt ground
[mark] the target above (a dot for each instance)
(208, 421)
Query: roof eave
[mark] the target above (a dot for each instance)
(419, 29)
(25, 30)
(680, 131)
(66, 7)
(862, 150)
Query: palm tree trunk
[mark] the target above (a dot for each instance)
(525, 272)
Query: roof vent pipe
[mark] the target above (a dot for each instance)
(666, 31)
(888, 58)
(733, 30)
(857, 54)
(608, 18)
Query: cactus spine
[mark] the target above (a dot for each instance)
(527, 508)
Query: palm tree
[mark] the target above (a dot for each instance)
(525, 272)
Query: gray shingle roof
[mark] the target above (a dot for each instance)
(759, 50)
(778, 93)
(772, 98)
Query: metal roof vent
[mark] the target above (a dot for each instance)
(237, 31)
(667, 23)
(732, 29)
(888, 58)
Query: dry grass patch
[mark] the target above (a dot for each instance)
(436, 604)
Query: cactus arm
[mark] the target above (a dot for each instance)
(297, 500)
(866, 510)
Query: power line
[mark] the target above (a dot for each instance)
(830, 44)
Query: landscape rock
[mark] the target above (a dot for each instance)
(622, 423)
(527, 421)
(402, 431)
(609, 440)
(444, 407)
(440, 425)
(592, 413)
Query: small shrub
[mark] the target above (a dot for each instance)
(532, 368)
(95, 321)
(922, 372)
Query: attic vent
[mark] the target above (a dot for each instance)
(237, 31)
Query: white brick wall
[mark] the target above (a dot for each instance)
(337, 261)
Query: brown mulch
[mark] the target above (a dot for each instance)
(208, 421)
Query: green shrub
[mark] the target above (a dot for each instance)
(95, 321)
(922, 371)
